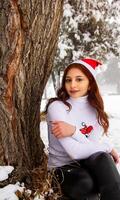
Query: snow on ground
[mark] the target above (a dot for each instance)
(112, 105)
(44, 134)
(4, 171)
(112, 108)
(8, 192)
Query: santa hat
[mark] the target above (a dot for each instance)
(89, 63)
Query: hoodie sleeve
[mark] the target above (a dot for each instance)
(97, 136)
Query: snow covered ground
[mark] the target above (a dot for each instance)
(112, 108)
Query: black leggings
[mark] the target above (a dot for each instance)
(97, 174)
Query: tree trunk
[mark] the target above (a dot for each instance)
(28, 38)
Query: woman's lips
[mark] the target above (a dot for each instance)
(74, 91)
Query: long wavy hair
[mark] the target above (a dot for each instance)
(94, 97)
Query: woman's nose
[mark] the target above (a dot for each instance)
(73, 84)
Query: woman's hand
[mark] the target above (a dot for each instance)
(115, 156)
(62, 129)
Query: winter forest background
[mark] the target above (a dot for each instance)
(89, 28)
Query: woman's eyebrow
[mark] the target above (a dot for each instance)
(79, 76)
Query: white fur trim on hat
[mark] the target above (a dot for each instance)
(89, 67)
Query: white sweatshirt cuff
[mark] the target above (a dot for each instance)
(78, 136)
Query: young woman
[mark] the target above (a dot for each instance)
(79, 147)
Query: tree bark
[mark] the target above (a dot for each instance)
(28, 38)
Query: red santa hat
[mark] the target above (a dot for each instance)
(89, 63)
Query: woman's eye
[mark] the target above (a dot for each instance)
(67, 80)
(79, 79)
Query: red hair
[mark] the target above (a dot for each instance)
(94, 97)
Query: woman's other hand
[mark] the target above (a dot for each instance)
(62, 129)
(115, 156)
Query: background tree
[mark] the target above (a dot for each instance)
(28, 38)
(112, 73)
(111, 76)
(89, 29)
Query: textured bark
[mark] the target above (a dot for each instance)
(28, 38)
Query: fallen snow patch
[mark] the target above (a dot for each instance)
(4, 171)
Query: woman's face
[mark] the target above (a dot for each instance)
(76, 83)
